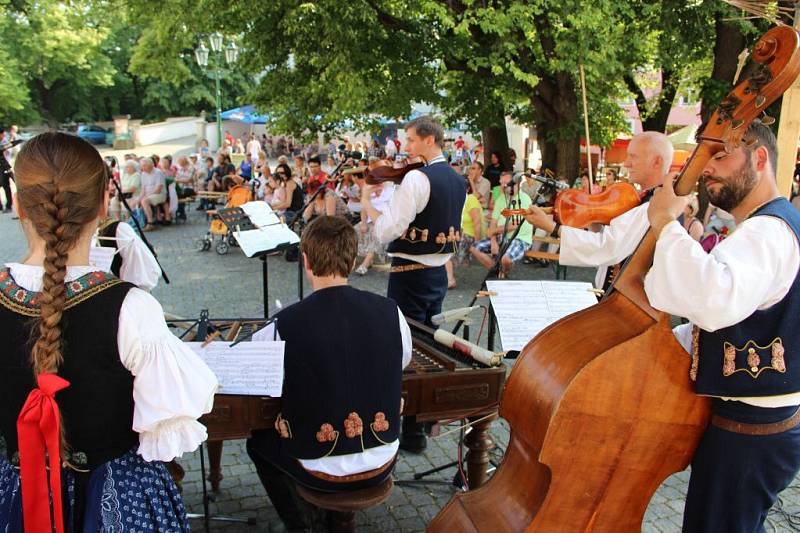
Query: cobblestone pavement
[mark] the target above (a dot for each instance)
(230, 286)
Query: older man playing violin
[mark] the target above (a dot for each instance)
(648, 160)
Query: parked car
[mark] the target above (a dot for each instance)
(92, 133)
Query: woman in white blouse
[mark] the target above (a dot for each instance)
(101, 359)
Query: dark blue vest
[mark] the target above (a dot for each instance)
(437, 228)
(758, 356)
(342, 373)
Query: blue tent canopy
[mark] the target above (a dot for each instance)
(246, 114)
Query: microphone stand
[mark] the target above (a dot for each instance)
(297, 216)
(138, 228)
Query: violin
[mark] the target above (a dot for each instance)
(579, 209)
(381, 171)
(600, 404)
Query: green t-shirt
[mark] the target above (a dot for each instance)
(526, 232)
(467, 227)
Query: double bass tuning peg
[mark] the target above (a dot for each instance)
(767, 120)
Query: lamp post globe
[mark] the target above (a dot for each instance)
(201, 55)
(216, 41)
(231, 53)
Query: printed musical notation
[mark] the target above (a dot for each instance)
(250, 368)
(524, 308)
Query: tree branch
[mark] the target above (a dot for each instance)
(389, 21)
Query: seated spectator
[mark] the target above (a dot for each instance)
(238, 147)
(246, 167)
(288, 198)
(130, 183)
(338, 429)
(154, 191)
(472, 230)
(300, 170)
(224, 168)
(481, 187)
(327, 203)
(317, 177)
(487, 249)
(693, 226)
(350, 192)
(184, 183)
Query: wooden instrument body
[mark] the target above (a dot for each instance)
(382, 170)
(599, 418)
(579, 209)
(600, 404)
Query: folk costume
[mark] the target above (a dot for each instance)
(133, 261)
(129, 395)
(607, 248)
(743, 299)
(338, 430)
(422, 225)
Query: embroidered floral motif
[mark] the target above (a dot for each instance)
(380, 423)
(753, 360)
(695, 353)
(26, 302)
(729, 365)
(778, 363)
(440, 238)
(282, 427)
(353, 426)
(326, 433)
(402, 404)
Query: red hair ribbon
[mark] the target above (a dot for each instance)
(38, 432)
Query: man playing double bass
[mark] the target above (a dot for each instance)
(648, 160)
(743, 299)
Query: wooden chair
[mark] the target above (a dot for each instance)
(342, 506)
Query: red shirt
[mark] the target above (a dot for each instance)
(459, 144)
(314, 181)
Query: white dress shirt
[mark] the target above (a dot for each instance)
(409, 199)
(352, 463)
(752, 269)
(138, 264)
(172, 386)
(615, 243)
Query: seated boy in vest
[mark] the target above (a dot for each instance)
(345, 354)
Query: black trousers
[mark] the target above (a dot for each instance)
(418, 293)
(736, 478)
(279, 472)
(5, 183)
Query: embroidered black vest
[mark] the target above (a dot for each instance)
(759, 355)
(437, 228)
(110, 232)
(97, 407)
(342, 373)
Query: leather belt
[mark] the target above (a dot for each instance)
(409, 268)
(756, 429)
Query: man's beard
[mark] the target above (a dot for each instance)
(734, 189)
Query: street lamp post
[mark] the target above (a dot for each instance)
(216, 72)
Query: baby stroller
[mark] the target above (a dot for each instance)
(237, 195)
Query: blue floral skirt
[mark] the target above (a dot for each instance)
(126, 494)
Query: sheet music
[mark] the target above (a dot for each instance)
(264, 239)
(101, 257)
(260, 213)
(524, 308)
(252, 368)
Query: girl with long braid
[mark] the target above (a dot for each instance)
(95, 392)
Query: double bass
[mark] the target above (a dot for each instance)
(600, 404)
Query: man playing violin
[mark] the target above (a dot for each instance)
(422, 224)
(743, 299)
(648, 160)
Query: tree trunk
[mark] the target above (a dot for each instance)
(728, 44)
(657, 120)
(546, 145)
(495, 139)
(568, 164)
